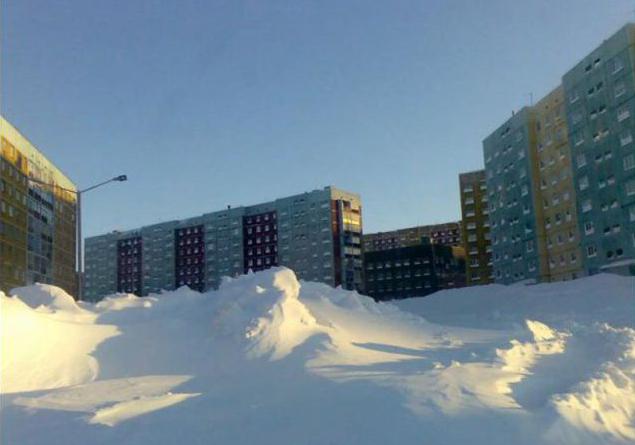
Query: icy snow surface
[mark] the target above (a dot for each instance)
(270, 360)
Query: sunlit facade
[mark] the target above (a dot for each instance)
(557, 194)
(37, 221)
(475, 228)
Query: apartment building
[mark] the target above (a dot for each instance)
(37, 219)
(600, 112)
(448, 234)
(556, 189)
(434, 253)
(415, 270)
(475, 231)
(515, 210)
(317, 234)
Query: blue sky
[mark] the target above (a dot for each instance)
(208, 103)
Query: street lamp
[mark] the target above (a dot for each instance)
(78, 228)
(80, 265)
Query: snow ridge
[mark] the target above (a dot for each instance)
(271, 359)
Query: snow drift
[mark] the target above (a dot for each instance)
(268, 359)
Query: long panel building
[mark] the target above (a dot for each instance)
(317, 234)
(37, 219)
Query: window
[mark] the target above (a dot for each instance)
(616, 65)
(630, 187)
(591, 251)
(587, 206)
(576, 117)
(588, 228)
(581, 160)
(629, 162)
(578, 139)
(584, 183)
(620, 88)
(623, 114)
(626, 138)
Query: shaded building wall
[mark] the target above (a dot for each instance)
(412, 271)
(445, 234)
(517, 232)
(600, 109)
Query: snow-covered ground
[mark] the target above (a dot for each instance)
(269, 360)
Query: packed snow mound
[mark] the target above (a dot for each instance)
(46, 297)
(269, 359)
(606, 401)
(598, 298)
(45, 347)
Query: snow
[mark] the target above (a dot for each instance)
(269, 359)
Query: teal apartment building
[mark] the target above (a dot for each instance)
(600, 108)
(515, 213)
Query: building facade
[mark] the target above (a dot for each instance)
(409, 247)
(448, 234)
(600, 112)
(317, 234)
(556, 189)
(475, 230)
(415, 270)
(37, 221)
(515, 211)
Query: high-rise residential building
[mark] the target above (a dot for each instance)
(410, 247)
(600, 111)
(446, 233)
(475, 231)
(515, 205)
(317, 234)
(556, 189)
(561, 174)
(413, 270)
(37, 216)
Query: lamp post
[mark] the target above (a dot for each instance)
(78, 228)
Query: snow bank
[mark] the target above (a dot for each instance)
(598, 298)
(269, 359)
(41, 348)
(46, 298)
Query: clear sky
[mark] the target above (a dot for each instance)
(208, 103)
